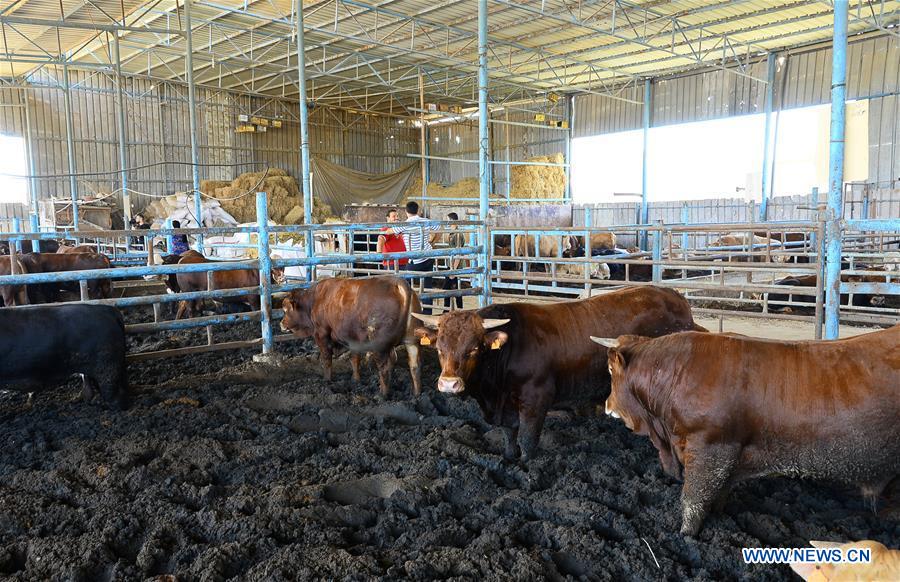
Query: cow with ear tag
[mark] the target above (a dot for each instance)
(519, 360)
(369, 315)
(723, 408)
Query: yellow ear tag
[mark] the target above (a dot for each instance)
(425, 341)
(495, 345)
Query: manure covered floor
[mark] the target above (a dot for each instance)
(225, 470)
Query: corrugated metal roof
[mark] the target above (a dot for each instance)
(367, 54)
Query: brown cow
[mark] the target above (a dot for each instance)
(599, 240)
(519, 359)
(56, 263)
(189, 282)
(366, 315)
(549, 246)
(721, 408)
(757, 244)
(13, 294)
(66, 250)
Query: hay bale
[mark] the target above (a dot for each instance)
(208, 187)
(294, 216)
(539, 181)
(238, 198)
(465, 188)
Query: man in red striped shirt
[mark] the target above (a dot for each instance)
(392, 243)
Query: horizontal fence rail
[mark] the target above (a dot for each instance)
(738, 276)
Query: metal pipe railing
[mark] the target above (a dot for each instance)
(663, 259)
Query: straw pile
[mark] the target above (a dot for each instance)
(465, 188)
(239, 200)
(527, 182)
(285, 200)
(208, 187)
(539, 181)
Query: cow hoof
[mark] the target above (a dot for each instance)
(690, 532)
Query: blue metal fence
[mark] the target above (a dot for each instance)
(264, 264)
(485, 274)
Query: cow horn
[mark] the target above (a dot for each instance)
(492, 323)
(606, 341)
(429, 320)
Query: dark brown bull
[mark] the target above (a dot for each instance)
(189, 282)
(721, 408)
(44, 246)
(13, 294)
(366, 315)
(808, 301)
(520, 359)
(57, 263)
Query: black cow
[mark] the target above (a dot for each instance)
(41, 345)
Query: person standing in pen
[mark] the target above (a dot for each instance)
(179, 241)
(416, 239)
(392, 243)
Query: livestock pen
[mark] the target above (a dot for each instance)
(260, 469)
(623, 169)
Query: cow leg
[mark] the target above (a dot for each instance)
(707, 472)
(536, 399)
(326, 355)
(113, 384)
(530, 426)
(354, 363)
(385, 363)
(412, 352)
(22, 296)
(511, 446)
(182, 308)
(88, 388)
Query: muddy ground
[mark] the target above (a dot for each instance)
(223, 469)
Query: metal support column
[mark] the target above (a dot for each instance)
(834, 211)
(304, 138)
(265, 273)
(423, 143)
(483, 113)
(483, 145)
(645, 211)
(192, 114)
(570, 117)
(657, 252)
(33, 215)
(123, 144)
(70, 143)
(767, 139)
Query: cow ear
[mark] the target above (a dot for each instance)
(495, 339)
(426, 336)
(616, 359)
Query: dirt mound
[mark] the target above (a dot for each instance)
(223, 470)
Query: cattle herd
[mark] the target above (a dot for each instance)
(719, 408)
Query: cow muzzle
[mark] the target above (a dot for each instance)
(451, 385)
(610, 411)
